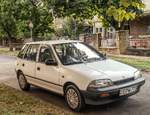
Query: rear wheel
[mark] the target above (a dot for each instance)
(74, 98)
(24, 85)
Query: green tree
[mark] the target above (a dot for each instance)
(72, 28)
(15, 16)
(41, 18)
(116, 12)
(110, 12)
(7, 18)
(75, 11)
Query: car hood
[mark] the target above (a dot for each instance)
(105, 69)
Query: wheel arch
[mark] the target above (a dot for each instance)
(69, 83)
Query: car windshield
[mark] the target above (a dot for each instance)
(76, 52)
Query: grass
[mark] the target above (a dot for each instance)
(138, 63)
(5, 51)
(14, 102)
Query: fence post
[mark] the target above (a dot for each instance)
(81, 37)
(97, 40)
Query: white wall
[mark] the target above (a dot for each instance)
(147, 4)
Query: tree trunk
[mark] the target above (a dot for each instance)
(9, 36)
(121, 41)
(10, 44)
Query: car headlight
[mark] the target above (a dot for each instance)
(137, 74)
(101, 83)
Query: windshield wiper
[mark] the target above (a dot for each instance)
(95, 59)
(73, 63)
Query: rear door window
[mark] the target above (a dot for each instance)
(31, 53)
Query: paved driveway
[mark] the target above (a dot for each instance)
(135, 105)
(7, 67)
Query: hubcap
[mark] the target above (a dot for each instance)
(72, 98)
(22, 81)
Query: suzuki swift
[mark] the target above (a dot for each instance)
(77, 71)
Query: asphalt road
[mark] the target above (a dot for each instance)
(138, 104)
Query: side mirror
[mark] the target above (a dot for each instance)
(50, 62)
(105, 54)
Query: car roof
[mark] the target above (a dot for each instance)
(53, 42)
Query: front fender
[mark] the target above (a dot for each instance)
(80, 80)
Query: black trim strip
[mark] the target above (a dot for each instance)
(44, 80)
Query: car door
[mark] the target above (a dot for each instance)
(48, 75)
(29, 61)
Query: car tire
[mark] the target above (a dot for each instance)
(24, 85)
(74, 99)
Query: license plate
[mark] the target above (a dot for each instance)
(126, 91)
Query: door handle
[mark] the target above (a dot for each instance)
(38, 68)
(23, 64)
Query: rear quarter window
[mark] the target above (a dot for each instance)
(31, 52)
(22, 52)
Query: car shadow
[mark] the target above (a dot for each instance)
(59, 101)
(48, 96)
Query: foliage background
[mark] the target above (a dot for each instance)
(16, 14)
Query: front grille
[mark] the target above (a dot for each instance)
(124, 81)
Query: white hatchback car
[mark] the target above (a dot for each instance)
(76, 71)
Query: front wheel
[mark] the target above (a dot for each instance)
(24, 85)
(74, 98)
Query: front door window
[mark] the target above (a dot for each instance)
(46, 54)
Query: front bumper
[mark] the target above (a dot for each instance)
(94, 98)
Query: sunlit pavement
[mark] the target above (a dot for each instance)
(135, 105)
